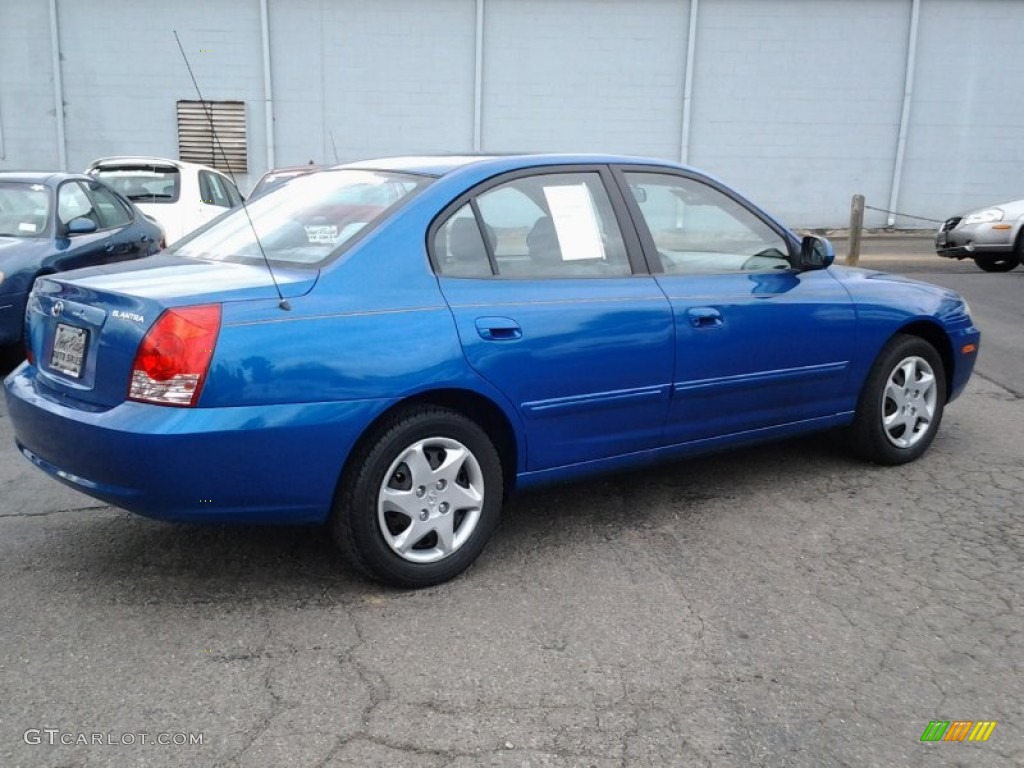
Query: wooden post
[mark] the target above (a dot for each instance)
(856, 227)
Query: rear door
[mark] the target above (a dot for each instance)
(758, 344)
(552, 307)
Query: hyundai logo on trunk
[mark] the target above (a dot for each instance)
(57, 308)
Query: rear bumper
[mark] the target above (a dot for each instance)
(262, 464)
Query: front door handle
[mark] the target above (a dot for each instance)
(705, 317)
(498, 329)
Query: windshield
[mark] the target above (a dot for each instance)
(143, 183)
(303, 222)
(24, 209)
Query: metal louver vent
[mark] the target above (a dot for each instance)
(222, 145)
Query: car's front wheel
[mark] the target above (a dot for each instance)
(997, 263)
(901, 404)
(420, 498)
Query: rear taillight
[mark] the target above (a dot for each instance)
(171, 364)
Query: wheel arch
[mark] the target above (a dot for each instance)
(939, 339)
(473, 405)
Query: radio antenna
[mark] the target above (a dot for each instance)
(334, 147)
(282, 302)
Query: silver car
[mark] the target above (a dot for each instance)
(993, 237)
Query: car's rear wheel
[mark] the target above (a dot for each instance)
(901, 405)
(998, 263)
(420, 498)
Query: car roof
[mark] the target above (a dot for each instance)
(130, 160)
(442, 165)
(50, 178)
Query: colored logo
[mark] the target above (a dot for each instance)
(958, 730)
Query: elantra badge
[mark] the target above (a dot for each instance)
(128, 316)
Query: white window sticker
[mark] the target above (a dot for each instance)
(576, 225)
(27, 226)
(321, 234)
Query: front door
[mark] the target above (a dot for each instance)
(758, 344)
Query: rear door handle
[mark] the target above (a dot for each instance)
(705, 317)
(498, 329)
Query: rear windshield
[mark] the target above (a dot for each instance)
(143, 183)
(24, 209)
(274, 180)
(304, 222)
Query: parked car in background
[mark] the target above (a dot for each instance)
(993, 237)
(391, 347)
(181, 196)
(278, 176)
(51, 222)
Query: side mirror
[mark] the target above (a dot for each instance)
(81, 226)
(815, 253)
(639, 193)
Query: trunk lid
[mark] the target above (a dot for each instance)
(84, 327)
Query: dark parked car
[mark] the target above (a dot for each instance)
(993, 237)
(51, 222)
(391, 347)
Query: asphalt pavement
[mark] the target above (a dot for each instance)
(784, 605)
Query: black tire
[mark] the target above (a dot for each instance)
(998, 263)
(870, 437)
(367, 536)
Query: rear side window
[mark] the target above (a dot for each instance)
(213, 190)
(544, 226)
(459, 246)
(142, 183)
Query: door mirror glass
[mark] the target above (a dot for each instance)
(816, 252)
(81, 226)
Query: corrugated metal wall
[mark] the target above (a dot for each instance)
(796, 102)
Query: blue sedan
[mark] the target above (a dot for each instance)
(51, 222)
(391, 347)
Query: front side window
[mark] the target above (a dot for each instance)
(24, 209)
(548, 225)
(111, 211)
(305, 222)
(698, 229)
(73, 203)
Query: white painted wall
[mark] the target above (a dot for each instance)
(795, 102)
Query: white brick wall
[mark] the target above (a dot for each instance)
(600, 75)
(965, 145)
(796, 102)
(398, 76)
(26, 87)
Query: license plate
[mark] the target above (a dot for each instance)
(69, 350)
